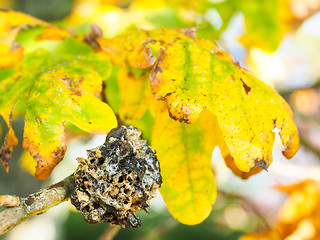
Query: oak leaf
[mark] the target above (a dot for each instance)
(193, 74)
(188, 182)
(57, 88)
(179, 147)
(11, 23)
(184, 152)
(135, 95)
(194, 78)
(190, 77)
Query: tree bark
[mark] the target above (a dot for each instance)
(36, 203)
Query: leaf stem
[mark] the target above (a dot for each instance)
(110, 233)
(36, 203)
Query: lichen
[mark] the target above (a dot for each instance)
(118, 178)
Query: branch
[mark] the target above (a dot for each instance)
(36, 203)
(92, 185)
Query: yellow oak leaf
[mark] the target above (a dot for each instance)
(184, 152)
(47, 144)
(134, 49)
(10, 55)
(53, 33)
(57, 88)
(27, 163)
(11, 23)
(135, 95)
(193, 74)
(196, 81)
(190, 78)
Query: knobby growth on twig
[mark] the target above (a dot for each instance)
(119, 178)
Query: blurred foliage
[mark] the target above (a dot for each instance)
(298, 217)
(39, 8)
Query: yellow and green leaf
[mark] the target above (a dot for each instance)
(197, 79)
(57, 89)
(135, 95)
(11, 23)
(190, 78)
(184, 152)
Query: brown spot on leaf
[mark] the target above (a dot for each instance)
(74, 86)
(183, 118)
(237, 64)
(5, 155)
(7, 147)
(46, 166)
(190, 32)
(156, 69)
(261, 164)
(229, 161)
(141, 57)
(247, 89)
(292, 147)
(39, 119)
(275, 122)
(168, 94)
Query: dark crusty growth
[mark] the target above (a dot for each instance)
(118, 178)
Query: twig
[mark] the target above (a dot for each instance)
(36, 203)
(110, 233)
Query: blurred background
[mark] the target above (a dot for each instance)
(278, 40)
